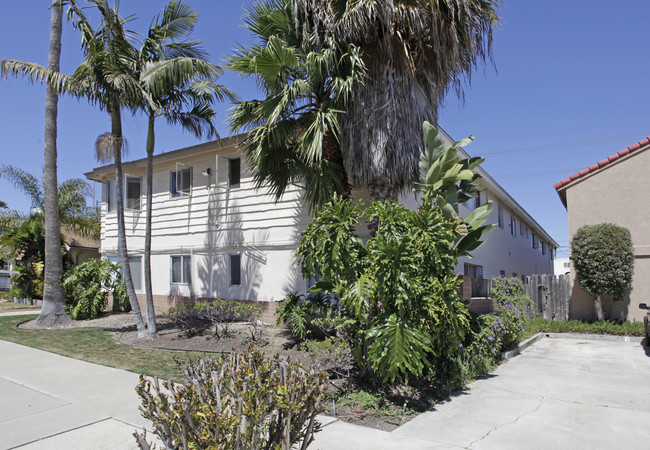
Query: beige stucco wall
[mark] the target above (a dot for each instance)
(617, 193)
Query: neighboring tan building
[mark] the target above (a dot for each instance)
(614, 190)
(215, 235)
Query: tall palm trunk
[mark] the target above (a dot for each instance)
(116, 135)
(151, 315)
(53, 312)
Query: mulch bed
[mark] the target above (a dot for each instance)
(271, 339)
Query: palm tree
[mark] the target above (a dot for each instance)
(415, 51)
(72, 213)
(294, 132)
(106, 79)
(180, 88)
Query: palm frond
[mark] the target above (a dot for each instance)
(24, 182)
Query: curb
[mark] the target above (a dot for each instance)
(522, 346)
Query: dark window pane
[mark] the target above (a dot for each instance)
(176, 269)
(187, 269)
(133, 192)
(234, 172)
(235, 270)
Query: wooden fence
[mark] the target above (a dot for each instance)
(550, 295)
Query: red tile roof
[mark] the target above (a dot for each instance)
(559, 187)
(602, 163)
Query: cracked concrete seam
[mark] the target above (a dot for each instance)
(541, 400)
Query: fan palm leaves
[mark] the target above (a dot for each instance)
(74, 214)
(294, 131)
(106, 79)
(415, 51)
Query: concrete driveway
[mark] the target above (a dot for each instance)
(564, 391)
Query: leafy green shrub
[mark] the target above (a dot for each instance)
(306, 314)
(398, 290)
(88, 285)
(241, 400)
(603, 258)
(183, 317)
(223, 312)
(617, 328)
(483, 350)
(512, 310)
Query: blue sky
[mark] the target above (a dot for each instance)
(569, 87)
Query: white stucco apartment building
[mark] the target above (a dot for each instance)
(215, 235)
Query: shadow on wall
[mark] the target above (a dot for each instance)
(583, 305)
(225, 237)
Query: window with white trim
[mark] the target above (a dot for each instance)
(110, 196)
(482, 198)
(235, 269)
(180, 181)
(135, 264)
(513, 225)
(234, 172)
(181, 269)
(500, 215)
(133, 192)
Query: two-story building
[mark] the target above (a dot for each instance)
(215, 235)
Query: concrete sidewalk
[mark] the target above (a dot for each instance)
(562, 392)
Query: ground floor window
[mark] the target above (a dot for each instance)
(181, 267)
(235, 270)
(135, 264)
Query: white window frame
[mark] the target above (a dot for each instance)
(174, 191)
(500, 216)
(513, 225)
(230, 271)
(482, 197)
(185, 280)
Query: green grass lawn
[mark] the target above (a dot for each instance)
(97, 346)
(11, 307)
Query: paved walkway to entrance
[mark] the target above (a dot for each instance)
(561, 392)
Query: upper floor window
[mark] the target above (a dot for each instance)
(133, 192)
(513, 225)
(181, 269)
(110, 196)
(482, 198)
(180, 181)
(535, 241)
(234, 172)
(500, 213)
(543, 248)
